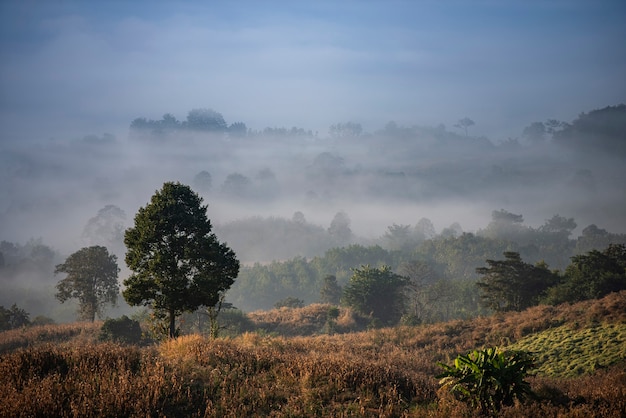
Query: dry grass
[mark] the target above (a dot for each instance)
(42, 334)
(387, 372)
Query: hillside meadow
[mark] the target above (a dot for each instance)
(62, 370)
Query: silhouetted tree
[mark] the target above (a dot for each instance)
(339, 228)
(91, 278)
(464, 124)
(345, 130)
(512, 285)
(107, 227)
(330, 291)
(203, 181)
(236, 184)
(13, 318)
(206, 120)
(237, 130)
(535, 133)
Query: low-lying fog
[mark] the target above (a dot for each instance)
(260, 188)
(50, 189)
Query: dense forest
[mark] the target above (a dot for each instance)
(297, 206)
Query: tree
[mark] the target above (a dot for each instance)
(13, 318)
(345, 130)
(330, 291)
(91, 278)
(600, 130)
(107, 227)
(464, 124)
(377, 292)
(535, 132)
(425, 229)
(178, 264)
(237, 130)
(512, 285)
(207, 120)
(592, 275)
(203, 181)
(399, 237)
(423, 290)
(236, 185)
(339, 228)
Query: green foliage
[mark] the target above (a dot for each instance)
(123, 330)
(488, 379)
(457, 257)
(594, 238)
(289, 302)
(331, 291)
(177, 262)
(511, 284)
(91, 278)
(42, 320)
(377, 292)
(592, 275)
(13, 317)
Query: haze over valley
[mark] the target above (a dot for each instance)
(306, 127)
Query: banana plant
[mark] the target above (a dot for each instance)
(490, 378)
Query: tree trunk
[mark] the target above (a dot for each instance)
(172, 324)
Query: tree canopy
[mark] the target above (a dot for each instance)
(377, 292)
(511, 284)
(592, 275)
(91, 278)
(178, 264)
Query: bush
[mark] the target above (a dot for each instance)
(488, 379)
(123, 330)
(289, 302)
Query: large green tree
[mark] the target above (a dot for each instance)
(592, 275)
(91, 278)
(178, 264)
(513, 285)
(377, 292)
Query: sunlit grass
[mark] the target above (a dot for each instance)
(385, 372)
(567, 352)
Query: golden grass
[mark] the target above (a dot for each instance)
(387, 372)
(42, 334)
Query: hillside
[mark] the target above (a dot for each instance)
(383, 372)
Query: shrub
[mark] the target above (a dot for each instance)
(123, 330)
(488, 379)
(289, 302)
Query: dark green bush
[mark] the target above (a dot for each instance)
(123, 330)
(289, 302)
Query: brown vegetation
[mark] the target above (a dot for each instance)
(385, 372)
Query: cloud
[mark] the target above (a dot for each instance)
(89, 68)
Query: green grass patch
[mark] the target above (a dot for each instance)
(568, 352)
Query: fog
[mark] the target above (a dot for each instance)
(74, 77)
(52, 188)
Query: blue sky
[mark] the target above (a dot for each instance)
(75, 68)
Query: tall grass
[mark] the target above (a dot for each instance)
(386, 372)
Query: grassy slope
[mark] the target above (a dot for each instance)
(385, 372)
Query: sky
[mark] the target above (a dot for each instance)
(76, 68)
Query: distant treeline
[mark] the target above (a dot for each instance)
(599, 130)
(450, 258)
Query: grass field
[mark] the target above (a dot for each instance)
(63, 371)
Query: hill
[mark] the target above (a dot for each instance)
(381, 372)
